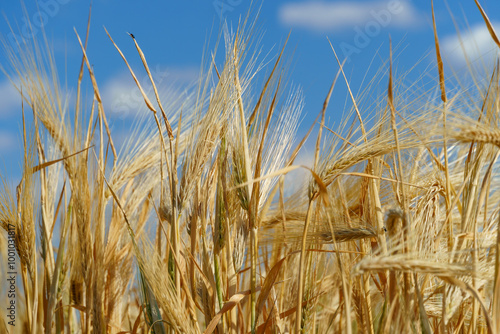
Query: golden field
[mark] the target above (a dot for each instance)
(188, 227)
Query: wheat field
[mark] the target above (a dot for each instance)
(189, 226)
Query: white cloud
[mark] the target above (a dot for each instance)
(473, 45)
(8, 142)
(297, 179)
(326, 16)
(10, 100)
(122, 98)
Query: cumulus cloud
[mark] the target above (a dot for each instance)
(323, 16)
(8, 142)
(473, 45)
(10, 100)
(297, 179)
(122, 98)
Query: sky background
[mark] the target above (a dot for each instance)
(175, 35)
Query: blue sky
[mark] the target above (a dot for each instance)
(174, 35)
